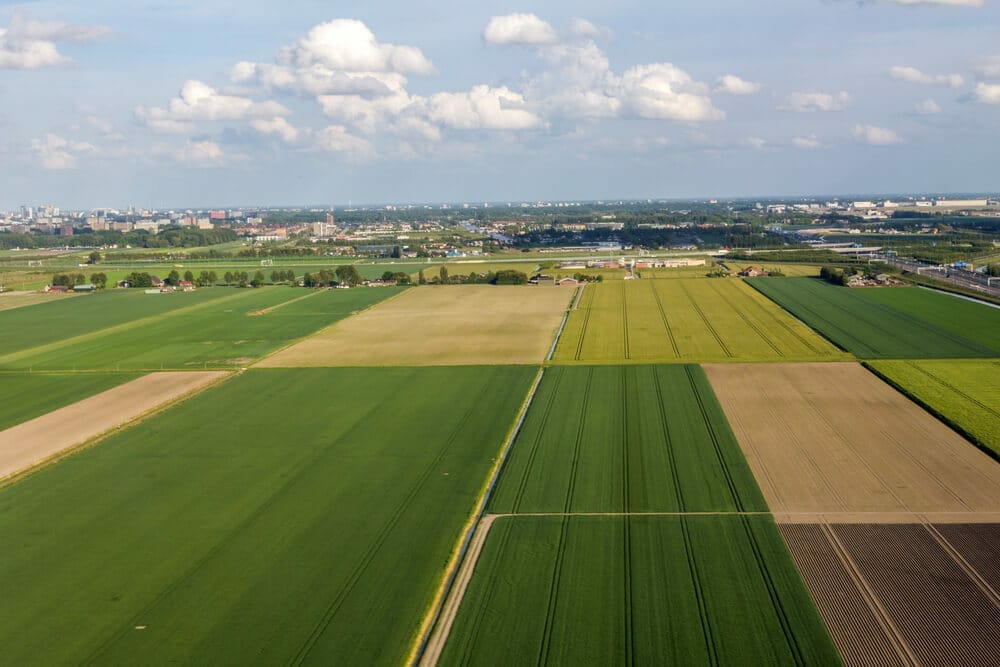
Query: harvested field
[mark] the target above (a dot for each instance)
(39, 439)
(890, 323)
(833, 438)
(282, 516)
(448, 325)
(684, 320)
(9, 300)
(965, 393)
(587, 590)
(625, 439)
(904, 594)
(24, 396)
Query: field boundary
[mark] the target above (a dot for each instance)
(797, 319)
(428, 626)
(947, 421)
(562, 325)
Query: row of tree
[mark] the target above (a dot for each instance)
(503, 277)
(98, 280)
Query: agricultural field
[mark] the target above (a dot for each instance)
(642, 590)
(281, 516)
(825, 440)
(447, 325)
(224, 332)
(904, 594)
(9, 300)
(889, 323)
(965, 393)
(25, 396)
(625, 439)
(704, 319)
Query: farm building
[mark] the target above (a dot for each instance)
(752, 272)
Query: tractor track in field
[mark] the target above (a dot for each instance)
(666, 322)
(705, 321)
(746, 320)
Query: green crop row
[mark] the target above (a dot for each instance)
(24, 396)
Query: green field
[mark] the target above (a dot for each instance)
(25, 396)
(228, 328)
(625, 439)
(637, 590)
(282, 516)
(684, 320)
(890, 323)
(966, 393)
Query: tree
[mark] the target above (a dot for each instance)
(421, 280)
(258, 279)
(173, 278)
(228, 277)
(79, 279)
(212, 277)
(94, 257)
(276, 276)
(348, 275)
(444, 275)
(99, 280)
(397, 252)
(188, 276)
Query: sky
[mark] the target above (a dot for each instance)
(175, 103)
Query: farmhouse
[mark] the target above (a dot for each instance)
(752, 272)
(540, 279)
(568, 281)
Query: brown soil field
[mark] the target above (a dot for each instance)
(903, 594)
(435, 326)
(33, 442)
(831, 438)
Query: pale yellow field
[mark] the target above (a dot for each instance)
(9, 300)
(434, 326)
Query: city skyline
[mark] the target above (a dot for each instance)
(214, 104)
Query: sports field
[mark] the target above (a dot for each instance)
(965, 393)
(25, 396)
(625, 439)
(447, 325)
(281, 516)
(684, 320)
(226, 331)
(890, 323)
(637, 590)
(833, 439)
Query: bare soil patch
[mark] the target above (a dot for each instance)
(33, 442)
(434, 326)
(832, 438)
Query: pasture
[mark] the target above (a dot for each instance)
(25, 396)
(625, 439)
(280, 516)
(643, 590)
(223, 332)
(965, 393)
(889, 323)
(649, 321)
(446, 325)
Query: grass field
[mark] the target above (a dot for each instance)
(282, 516)
(637, 590)
(225, 332)
(447, 325)
(9, 300)
(25, 396)
(625, 439)
(684, 320)
(965, 393)
(890, 323)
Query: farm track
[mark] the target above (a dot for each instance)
(952, 388)
(706, 322)
(746, 320)
(665, 321)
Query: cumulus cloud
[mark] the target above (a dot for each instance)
(198, 101)
(519, 29)
(277, 126)
(349, 45)
(579, 27)
(987, 93)
(663, 91)
(337, 139)
(913, 75)
(57, 153)
(876, 136)
(928, 107)
(806, 143)
(483, 107)
(990, 68)
(28, 44)
(808, 102)
(734, 85)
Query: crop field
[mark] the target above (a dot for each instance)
(9, 300)
(684, 320)
(447, 325)
(965, 393)
(625, 439)
(226, 332)
(890, 323)
(25, 396)
(281, 516)
(826, 439)
(904, 594)
(644, 590)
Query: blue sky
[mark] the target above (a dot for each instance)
(233, 103)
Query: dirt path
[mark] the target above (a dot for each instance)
(29, 444)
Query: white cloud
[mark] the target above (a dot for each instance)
(806, 143)
(518, 29)
(337, 139)
(928, 107)
(349, 45)
(734, 85)
(876, 136)
(29, 44)
(203, 151)
(807, 102)
(913, 75)
(663, 91)
(57, 153)
(483, 107)
(198, 101)
(277, 126)
(755, 142)
(990, 68)
(987, 93)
